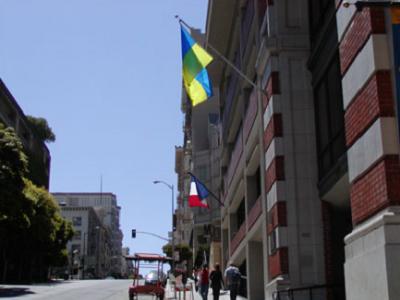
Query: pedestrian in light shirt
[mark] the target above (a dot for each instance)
(233, 276)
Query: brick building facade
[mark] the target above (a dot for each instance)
(309, 161)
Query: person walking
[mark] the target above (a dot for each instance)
(233, 276)
(196, 278)
(216, 281)
(204, 282)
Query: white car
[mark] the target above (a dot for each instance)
(152, 278)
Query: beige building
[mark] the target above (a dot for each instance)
(184, 215)
(127, 265)
(108, 212)
(89, 250)
(199, 227)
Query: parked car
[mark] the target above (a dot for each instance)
(152, 278)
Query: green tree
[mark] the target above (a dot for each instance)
(33, 234)
(14, 209)
(42, 128)
(185, 253)
(49, 232)
(13, 165)
(199, 260)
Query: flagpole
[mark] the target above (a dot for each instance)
(227, 61)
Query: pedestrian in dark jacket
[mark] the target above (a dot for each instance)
(216, 281)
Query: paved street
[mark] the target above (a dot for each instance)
(69, 290)
(84, 290)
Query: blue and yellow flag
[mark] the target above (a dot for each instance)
(195, 76)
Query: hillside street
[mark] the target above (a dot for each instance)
(69, 290)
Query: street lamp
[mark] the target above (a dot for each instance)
(98, 252)
(84, 253)
(171, 187)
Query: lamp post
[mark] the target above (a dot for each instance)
(84, 254)
(171, 187)
(98, 252)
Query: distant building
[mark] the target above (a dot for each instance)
(127, 265)
(106, 208)
(11, 115)
(89, 250)
(184, 215)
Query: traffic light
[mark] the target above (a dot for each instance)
(133, 233)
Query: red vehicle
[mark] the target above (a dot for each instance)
(148, 261)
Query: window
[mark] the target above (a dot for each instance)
(73, 201)
(76, 247)
(258, 182)
(272, 242)
(329, 116)
(77, 235)
(77, 221)
(240, 214)
(318, 11)
(202, 173)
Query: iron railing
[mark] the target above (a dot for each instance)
(315, 292)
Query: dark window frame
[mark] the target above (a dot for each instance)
(327, 150)
(241, 214)
(318, 10)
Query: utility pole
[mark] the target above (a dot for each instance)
(171, 187)
(84, 254)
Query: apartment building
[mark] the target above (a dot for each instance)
(127, 265)
(89, 249)
(199, 227)
(184, 215)
(309, 160)
(106, 208)
(12, 115)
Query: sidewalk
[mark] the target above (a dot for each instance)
(187, 295)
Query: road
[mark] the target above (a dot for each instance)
(85, 290)
(70, 290)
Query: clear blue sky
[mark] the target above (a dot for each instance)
(106, 74)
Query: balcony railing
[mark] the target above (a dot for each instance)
(236, 156)
(251, 114)
(247, 20)
(317, 292)
(238, 237)
(255, 212)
